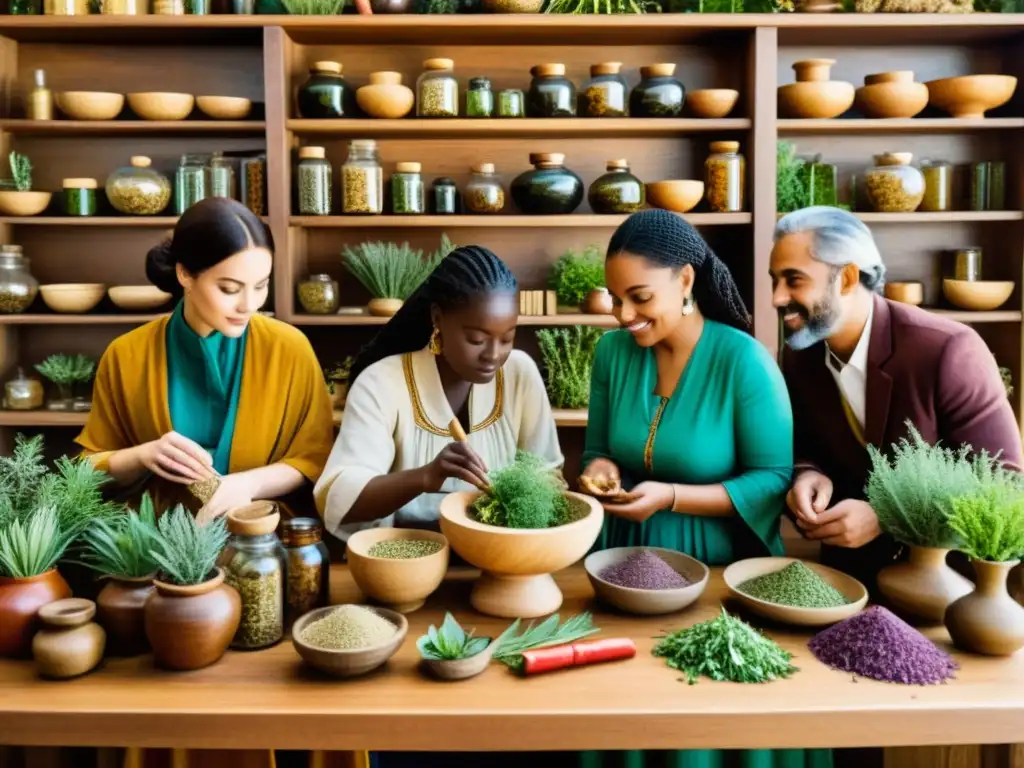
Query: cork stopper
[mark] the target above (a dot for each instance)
(546, 159)
(658, 70)
(326, 68)
(439, 64)
(618, 165)
(312, 153)
(483, 168)
(79, 184)
(606, 68)
(141, 161)
(894, 158)
(385, 78)
(408, 167)
(548, 70)
(363, 144)
(725, 147)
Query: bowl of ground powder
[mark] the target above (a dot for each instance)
(398, 567)
(348, 640)
(646, 580)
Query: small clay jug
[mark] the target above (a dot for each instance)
(598, 302)
(120, 610)
(923, 587)
(20, 601)
(190, 627)
(988, 620)
(69, 643)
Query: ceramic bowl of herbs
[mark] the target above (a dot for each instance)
(793, 591)
(449, 652)
(646, 580)
(348, 640)
(398, 567)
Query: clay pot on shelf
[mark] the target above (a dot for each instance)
(813, 95)
(190, 627)
(924, 586)
(385, 96)
(905, 293)
(891, 95)
(988, 620)
(549, 189)
(598, 302)
(120, 610)
(69, 643)
(384, 307)
(20, 601)
(971, 96)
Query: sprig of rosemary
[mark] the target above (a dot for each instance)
(509, 647)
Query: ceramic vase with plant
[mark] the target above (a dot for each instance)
(990, 523)
(576, 275)
(391, 272)
(192, 616)
(17, 197)
(120, 550)
(568, 357)
(66, 371)
(337, 377)
(451, 653)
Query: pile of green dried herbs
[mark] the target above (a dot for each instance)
(725, 649)
(525, 494)
(568, 355)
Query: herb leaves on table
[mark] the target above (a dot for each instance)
(509, 646)
(450, 642)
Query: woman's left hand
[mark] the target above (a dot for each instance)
(642, 502)
(234, 491)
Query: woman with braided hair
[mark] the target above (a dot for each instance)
(446, 354)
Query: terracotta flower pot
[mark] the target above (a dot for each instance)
(69, 643)
(599, 302)
(923, 587)
(191, 627)
(121, 611)
(20, 601)
(988, 620)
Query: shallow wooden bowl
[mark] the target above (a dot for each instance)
(972, 95)
(977, 295)
(224, 107)
(647, 602)
(744, 570)
(15, 203)
(161, 106)
(137, 298)
(815, 100)
(90, 105)
(893, 99)
(402, 585)
(679, 195)
(348, 663)
(460, 669)
(384, 307)
(905, 293)
(711, 103)
(72, 298)
(256, 519)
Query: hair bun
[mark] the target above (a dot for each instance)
(160, 269)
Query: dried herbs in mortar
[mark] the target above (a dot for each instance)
(525, 494)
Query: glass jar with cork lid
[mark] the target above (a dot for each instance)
(551, 93)
(659, 93)
(23, 393)
(725, 172)
(479, 98)
(80, 197)
(313, 179)
(606, 94)
(138, 189)
(893, 185)
(18, 287)
(309, 567)
(618, 191)
(407, 190)
(362, 179)
(437, 90)
(326, 94)
(484, 193)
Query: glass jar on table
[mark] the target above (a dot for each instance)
(256, 565)
(309, 567)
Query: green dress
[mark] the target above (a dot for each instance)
(728, 421)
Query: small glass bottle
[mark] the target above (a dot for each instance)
(326, 94)
(126, 7)
(362, 179)
(23, 393)
(169, 7)
(511, 103)
(407, 190)
(437, 90)
(309, 567)
(40, 100)
(256, 565)
(446, 196)
(253, 174)
(479, 98)
(484, 193)
(18, 287)
(551, 93)
(820, 179)
(893, 185)
(967, 264)
(66, 7)
(189, 182)
(938, 185)
(220, 177)
(606, 94)
(79, 197)
(996, 185)
(725, 177)
(318, 295)
(618, 191)
(313, 178)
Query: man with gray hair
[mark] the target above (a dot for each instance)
(858, 368)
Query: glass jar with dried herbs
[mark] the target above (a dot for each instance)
(313, 178)
(659, 93)
(484, 193)
(18, 287)
(80, 197)
(253, 173)
(362, 180)
(551, 93)
(725, 173)
(23, 393)
(606, 94)
(309, 567)
(511, 103)
(617, 191)
(437, 90)
(479, 98)
(407, 190)
(190, 182)
(220, 176)
(256, 565)
(326, 93)
(138, 189)
(938, 186)
(446, 196)
(893, 185)
(318, 295)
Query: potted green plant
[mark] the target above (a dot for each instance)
(990, 524)
(450, 653)
(568, 356)
(337, 377)
(578, 281)
(192, 616)
(121, 551)
(391, 272)
(17, 197)
(65, 371)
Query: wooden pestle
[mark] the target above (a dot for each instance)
(455, 427)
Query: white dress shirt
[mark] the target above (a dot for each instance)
(852, 378)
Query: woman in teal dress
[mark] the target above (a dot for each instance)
(690, 418)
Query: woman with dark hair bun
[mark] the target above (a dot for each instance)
(215, 393)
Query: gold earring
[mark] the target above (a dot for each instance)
(688, 305)
(435, 341)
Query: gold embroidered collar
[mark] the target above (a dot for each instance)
(420, 415)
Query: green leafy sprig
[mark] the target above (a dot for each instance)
(525, 494)
(21, 171)
(314, 7)
(509, 646)
(67, 369)
(186, 551)
(32, 546)
(990, 523)
(450, 642)
(575, 275)
(391, 271)
(568, 356)
(123, 547)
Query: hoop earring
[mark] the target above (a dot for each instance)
(688, 305)
(435, 342)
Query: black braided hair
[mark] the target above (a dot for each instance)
(468, 272)
(668, 240)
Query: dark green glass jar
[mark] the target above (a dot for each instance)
(618, 191)
(511, 103)
(80, 197)
(446, 196)
(606, 94)
(549, 189)
(326, 94)
(479, 98)
(658, 94)
(551, 94)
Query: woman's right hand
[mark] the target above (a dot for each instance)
(176, 458)
(455, 460)
(601, 478)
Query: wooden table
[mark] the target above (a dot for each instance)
(269, 699)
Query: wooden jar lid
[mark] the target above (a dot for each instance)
(141, 161)
(385, 78)
(658, 70)
(894, 158)
(606, 68)
(483, 168)
(408, 167)
(79, 184)
(546, 159)
(725, 146)
(618, 165)
(442, 64)
(312, 153)
(326, 67)
(548, 70)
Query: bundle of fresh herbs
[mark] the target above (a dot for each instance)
(525, 494)
(990, 523)
(575, 275)
(391, 271)
(451, 642)
(123, 547)
(185, 550)
(568, 355)
(510, 645)
(21, 171)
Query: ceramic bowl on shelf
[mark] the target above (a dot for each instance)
(679, 195)
(348, 663)
(905, 293)
(891, 95)
(711, 103)
(72, 298)
(977, 295)
(517, 563)
(384, 307)
(971, 96)
(224, 107)
(161, 106)
(136, 298)
(90, 105)
(647, 602)
(460, 669)
(385, 97)
(28, 203)
(813, 95)
(744, 570)
(402, 584)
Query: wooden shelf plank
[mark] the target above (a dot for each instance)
(55, 319)
(138, 222)
(968, 317)
(500, 221)
(911, 125)
(130, 127)
(951, 217)
(598, 321)
(526, 127)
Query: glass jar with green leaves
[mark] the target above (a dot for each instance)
(254, 563)
(66, 371)
(576, 274)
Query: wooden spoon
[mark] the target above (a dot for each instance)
(460, 437)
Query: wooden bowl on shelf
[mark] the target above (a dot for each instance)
(72, 298)
(137, 298)
(224, 107)
(517, 563)
(905, 293)
(815, 100)
(28, 203)
(711, 103)
(744, 570)
(385, 97)
(401, 584)
(90, 105)
(971, 96)
(161, 106)
(384, 307)
(977, 295)
(891, 95)
(679, 195)
(348, 663)
(647, 602)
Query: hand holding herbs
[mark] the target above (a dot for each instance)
(455, 460)
(525, 494)
(450, 642)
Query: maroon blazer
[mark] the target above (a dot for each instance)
(935, 372)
